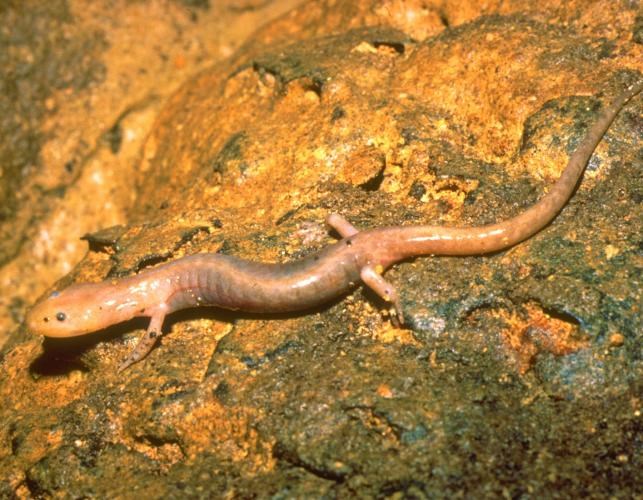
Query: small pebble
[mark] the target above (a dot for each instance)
(617, 339)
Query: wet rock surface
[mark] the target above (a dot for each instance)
(518, 373)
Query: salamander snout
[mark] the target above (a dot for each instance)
(51, 318)
(65, 314)
(42, 319)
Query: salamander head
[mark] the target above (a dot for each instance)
(79, 309)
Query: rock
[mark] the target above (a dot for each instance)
(508, 382)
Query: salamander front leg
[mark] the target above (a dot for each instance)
(384, 289)
(341, 225)
(146, 342)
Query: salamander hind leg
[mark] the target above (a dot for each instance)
(341, 225)
(146, 343)
(384, 289)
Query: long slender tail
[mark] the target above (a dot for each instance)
(494, 237)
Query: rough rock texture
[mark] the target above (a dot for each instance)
(520, 372)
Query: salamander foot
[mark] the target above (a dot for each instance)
(341, 225)
(384, 289)
(145, 344)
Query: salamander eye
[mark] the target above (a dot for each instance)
(61, 316)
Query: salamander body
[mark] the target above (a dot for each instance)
(232, 283)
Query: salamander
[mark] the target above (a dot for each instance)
(359, 256)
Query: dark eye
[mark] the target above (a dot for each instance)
(61, 316)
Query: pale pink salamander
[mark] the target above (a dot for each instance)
(232, 283)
